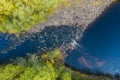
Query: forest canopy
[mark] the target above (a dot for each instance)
(20, 15)
(48, 66)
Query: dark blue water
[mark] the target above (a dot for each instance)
(100, 44)
(99, 49)
(6, 41)
(49, 38)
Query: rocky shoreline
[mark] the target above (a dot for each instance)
(78, 13)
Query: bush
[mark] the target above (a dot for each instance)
(20, 15)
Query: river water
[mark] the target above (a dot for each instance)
(98, 49)
(100, 44)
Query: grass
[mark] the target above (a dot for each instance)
(21, 15)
